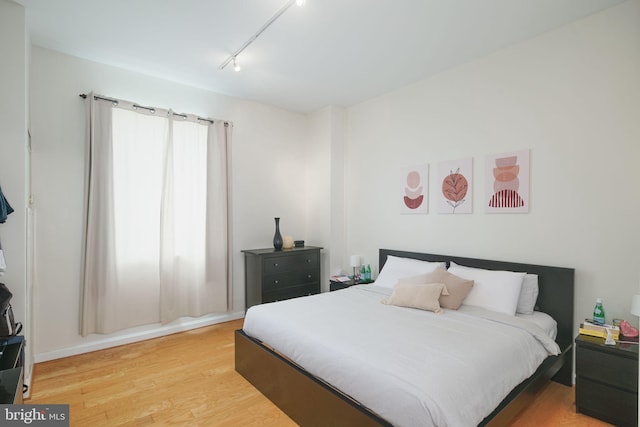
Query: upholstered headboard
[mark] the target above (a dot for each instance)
(556, 285)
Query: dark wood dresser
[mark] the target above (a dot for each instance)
(272, 275)
(607, 380)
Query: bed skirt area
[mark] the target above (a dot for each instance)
(311, 402)
(304, 398)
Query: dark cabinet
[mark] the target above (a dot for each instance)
(11, 365)
(272, 275)
(607, 380)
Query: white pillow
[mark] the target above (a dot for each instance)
(528, 294)
(492, 289)
(397, 268)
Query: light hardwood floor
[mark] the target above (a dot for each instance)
(188, 379)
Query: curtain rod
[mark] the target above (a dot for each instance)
(150, 109)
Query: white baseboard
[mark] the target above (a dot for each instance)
(180, 325)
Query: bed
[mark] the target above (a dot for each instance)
(319, 396)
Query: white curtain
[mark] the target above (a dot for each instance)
(156, 239)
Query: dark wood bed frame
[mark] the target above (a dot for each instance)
(309, 401)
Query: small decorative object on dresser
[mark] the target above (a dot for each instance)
(277, 238)
(287, 242)
(274, 275)
(607, 380)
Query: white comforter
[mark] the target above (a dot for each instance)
(411, 367)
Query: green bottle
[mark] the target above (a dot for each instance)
(598, 311)
(367, 275)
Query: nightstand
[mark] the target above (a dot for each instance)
(334, 286)
(607, 380)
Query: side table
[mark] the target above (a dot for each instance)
(335, 285)
(607, 380)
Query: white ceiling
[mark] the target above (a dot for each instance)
(328, 52)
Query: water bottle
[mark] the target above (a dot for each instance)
(598, 311)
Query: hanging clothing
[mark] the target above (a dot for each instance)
(5, 208)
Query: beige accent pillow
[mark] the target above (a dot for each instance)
(458, 288)
(414, 295)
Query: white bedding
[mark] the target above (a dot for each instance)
(409, 366)
(544, 321)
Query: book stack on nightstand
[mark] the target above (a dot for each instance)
(607, 380)
(601, 331)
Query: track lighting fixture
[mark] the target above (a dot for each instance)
(283, 9)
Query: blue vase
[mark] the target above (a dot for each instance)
(277, 238)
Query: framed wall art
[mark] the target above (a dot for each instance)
(507, 182)
(414, 196)
(455, 181)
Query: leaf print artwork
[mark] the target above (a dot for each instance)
(454, 189)
(456, 181)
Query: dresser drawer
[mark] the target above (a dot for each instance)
(291, 292)
(607, 368)
(607, 403)
(287, 279)
(304, 261)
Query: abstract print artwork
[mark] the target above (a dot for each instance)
(415, 184)
(455, 180)
(507, 180)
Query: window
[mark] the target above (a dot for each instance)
(156, 230)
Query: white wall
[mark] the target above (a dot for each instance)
(325, 175)
(571, 96)
(14, 156)
(268, 143)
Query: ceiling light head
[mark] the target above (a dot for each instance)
(236, 66)
(301, 2)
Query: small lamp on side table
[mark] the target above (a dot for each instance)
(635, 305)
(354, 262)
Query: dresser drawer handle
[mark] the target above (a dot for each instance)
(275, 264)
(308, 276)
(308, 261)
(275, 282)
